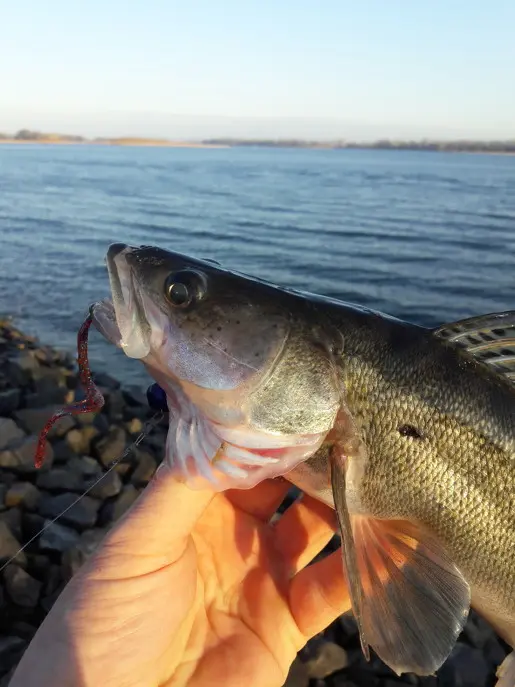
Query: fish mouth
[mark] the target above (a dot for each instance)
(122, 320)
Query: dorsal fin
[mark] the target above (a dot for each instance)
(487, 338)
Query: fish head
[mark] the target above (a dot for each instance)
(250, 389)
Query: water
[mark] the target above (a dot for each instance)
(423, 236)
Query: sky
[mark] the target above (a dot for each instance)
(258, 68)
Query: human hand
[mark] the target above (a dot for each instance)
(193, 588)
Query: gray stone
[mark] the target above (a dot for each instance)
(79, 440)
(34, 419)
(134, 426)
(75, 557)
(465, 667)
(85, 465)
(110, 485)
(22, 494)
(134, 396)
(9, 401)
(298, 675)
(324, 658)
(3, 492)
(102, 379)
(110, 447)
(9, 432)
(58, 538)
(19, 457)
(55, 395)
(20, 369)
(145, 468)
(23, 589)
(114, 404)
(12, 518)
(79, 514)
(9, 647)
(24, 630)
(61, 479)
(114, 510)
(9, 545)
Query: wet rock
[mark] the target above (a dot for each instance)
(34, 419)
(85, 465)
(323, 658)
(9, 545)
(9, 402)
(19, 457)
(465, 667)
(9, 432)
(80, 514)
(22, 494)
(145, 468)
(23, 589)
(61, 479)
(110, 447)
(79, 440)
(58, 538)
(110, 485)
(112, 511)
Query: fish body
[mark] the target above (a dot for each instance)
(409, 433)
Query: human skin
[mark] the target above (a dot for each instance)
(193, 588)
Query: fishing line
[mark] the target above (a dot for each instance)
(147, 428)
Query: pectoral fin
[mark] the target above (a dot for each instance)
(409, 599)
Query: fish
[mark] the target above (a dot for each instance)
(407, 432)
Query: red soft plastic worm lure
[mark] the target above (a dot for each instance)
(93, 401)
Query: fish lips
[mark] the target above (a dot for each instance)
(123, 321)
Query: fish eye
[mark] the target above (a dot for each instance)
(184, 287)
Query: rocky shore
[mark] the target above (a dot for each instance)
(35, 380)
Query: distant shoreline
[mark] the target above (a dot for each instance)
(26, 136)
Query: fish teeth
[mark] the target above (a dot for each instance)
(247, 457)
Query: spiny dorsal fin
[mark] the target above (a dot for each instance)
(487, 338)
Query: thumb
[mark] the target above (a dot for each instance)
(154, 532)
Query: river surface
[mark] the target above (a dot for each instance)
(429, 237)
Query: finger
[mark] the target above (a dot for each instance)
(303, 531)
(155, 530)
(318, 595)
(262, 500)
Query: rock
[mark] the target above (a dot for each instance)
(9, 402)
(9, 545)
(22, 494)
(114, 405)
(102, 379)
(75, 557)
(31, 526)
(55, 395)
(19, 457)
(79, 440)
(3, 492)
(58, 538)
(85, 465)
(348, 625)
(23, 630)
(134, 396)
(110, 447)
(12, 519)
(9, 432)
(81, 515)
(297, 675)
(110, 485)
(10, 648)
(134, 426)
(477, 631)
(323, 658)
(145, 469)
(114, 510)
(465, 667)
(20, 369)
(61, 479)
(34, 419)
(23, 589)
